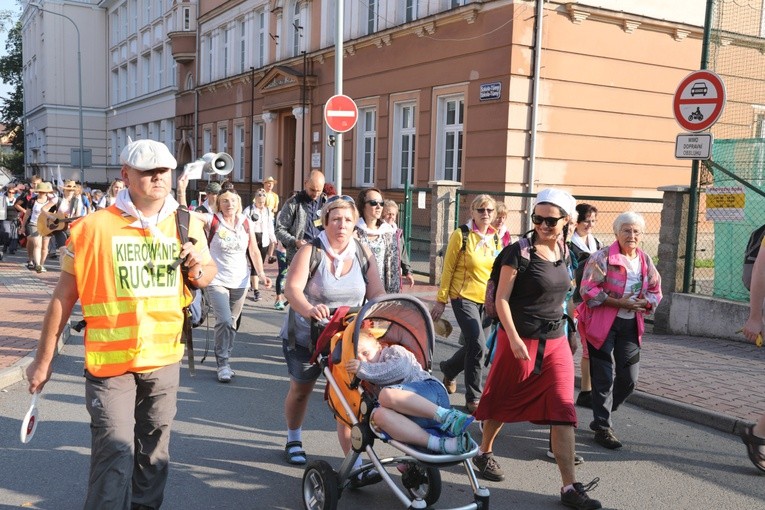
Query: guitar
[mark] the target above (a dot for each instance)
(48, 222)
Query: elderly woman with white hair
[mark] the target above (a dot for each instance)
(620, 285)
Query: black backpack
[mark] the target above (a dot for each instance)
(750, 255)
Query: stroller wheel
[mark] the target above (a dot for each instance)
(320, 486)
(422, 482)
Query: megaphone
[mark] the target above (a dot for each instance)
(219, 163)
(211, 163)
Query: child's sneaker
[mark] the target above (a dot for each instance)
(456, 422)
(454, 445)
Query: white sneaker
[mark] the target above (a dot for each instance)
(225, 374)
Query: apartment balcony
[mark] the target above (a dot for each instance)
(184, 46)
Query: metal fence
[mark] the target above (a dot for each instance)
(608, 209)
(416, 218)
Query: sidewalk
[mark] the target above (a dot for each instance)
(717, 383)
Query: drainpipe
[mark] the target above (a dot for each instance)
(534, 107)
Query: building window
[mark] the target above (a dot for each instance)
(258, 148)
(449, 142)
(296, 29)
(759, 124)
(329, 18)
(209, 64)
(371, 16)
(133, 10)
(133, 78)
(410, 10)
(329, 158)
(146, 11)
(222, 139)
(146, 71)
(186, 13)
(404, 134)
(453, 4)
(239, 152)
(365, 147)
(227, 36)
(242, 46)
(261, 39)
(159, 65)
(206, 140)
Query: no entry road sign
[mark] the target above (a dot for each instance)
(699, 101)
(340, 113)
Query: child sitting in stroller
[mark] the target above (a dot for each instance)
(413, 405)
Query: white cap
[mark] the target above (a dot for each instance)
(147, 155)
(557, 197)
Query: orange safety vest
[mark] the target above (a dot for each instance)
(132, 304)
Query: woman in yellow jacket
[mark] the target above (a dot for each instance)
(467, 266)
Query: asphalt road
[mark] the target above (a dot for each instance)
(227, 447)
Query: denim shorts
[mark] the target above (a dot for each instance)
(299, 365)
(432, 390)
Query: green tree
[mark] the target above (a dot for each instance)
(12, 107)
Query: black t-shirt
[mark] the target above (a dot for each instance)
(538, 292)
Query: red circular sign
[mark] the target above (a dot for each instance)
(699, 101)
(340, 113)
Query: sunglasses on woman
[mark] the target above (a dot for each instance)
(482, 210)
(550, 221)
(375, 203)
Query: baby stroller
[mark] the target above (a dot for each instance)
(393, 319)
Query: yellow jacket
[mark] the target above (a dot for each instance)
(466, 272)
(130, 300)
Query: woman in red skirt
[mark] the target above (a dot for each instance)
(532, 376)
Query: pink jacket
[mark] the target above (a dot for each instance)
(605, 275)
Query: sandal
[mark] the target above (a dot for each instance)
(365, 478)
(297, 457)
(753, 444)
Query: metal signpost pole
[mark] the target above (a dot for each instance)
(338, 91)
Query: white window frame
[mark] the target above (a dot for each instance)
(296, 34)
(410, 10)
(206, 140)
(242, 24)
(159, 67)
(450, 138)
(371, 13)
(222, 138)
(366, 146)
(404, 128)
(758, 127)
(227, 60)
(239, 141)
(328, 22)
(186, 19)
(258, 151)
(260, 40)
(146, 71)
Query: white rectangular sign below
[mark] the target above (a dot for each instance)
(693, 146)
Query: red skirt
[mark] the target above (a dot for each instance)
(513, 393)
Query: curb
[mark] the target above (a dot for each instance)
(17, 372)
(688, 412)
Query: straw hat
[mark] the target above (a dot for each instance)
(43, 187)
(443, 327)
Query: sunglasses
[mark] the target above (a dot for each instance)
(375, 203)
(550, 221)
(260, 194)
(335, 198)
(482, 210)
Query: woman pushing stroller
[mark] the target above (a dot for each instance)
(413, 406)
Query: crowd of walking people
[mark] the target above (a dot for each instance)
(552, 290)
